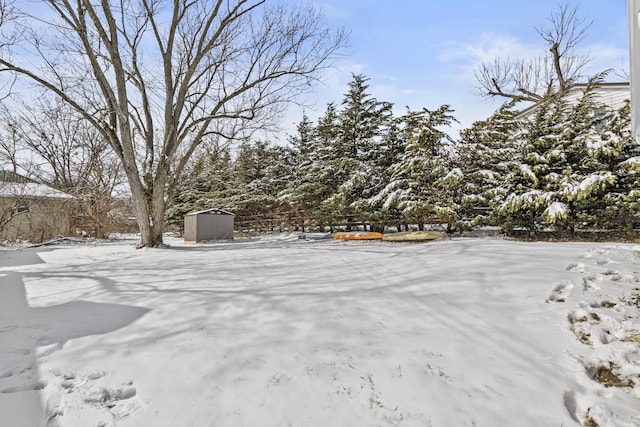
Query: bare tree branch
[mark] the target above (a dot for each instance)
(535, 79)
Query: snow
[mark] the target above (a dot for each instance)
(454, 174)
(533, 198)
(279, 331)
(556, 210)
(31, 190)
(595, 180)
(633, 162)
(595, 143)
(580, 190)
(526, 171)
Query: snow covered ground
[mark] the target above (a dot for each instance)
(278, 331)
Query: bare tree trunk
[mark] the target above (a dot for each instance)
(141, 205)
(158, 205)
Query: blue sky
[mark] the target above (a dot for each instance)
(422, 53)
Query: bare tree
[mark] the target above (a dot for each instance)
(51, 142)
(536, 79)
(10, 147)
(155, 77)
(7, 36)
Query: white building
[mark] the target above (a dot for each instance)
(612, 95)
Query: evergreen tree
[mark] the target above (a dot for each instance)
(207, 184)
(304, 143)
(573, 165)
(571, 172)
(315, 178)
(484, 155)
(354, 154)
(303, 153)
(389, 153)
(535, 154)
(577, 179)
(259, 174)
(421, 182)
(613, 153)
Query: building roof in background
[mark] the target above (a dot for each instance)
(13, 185)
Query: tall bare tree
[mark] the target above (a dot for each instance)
(155, 77)
(537, 78)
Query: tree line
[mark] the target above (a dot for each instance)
(153, 96)
(571, 166)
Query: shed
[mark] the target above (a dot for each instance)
(210, 224)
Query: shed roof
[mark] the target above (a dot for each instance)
(214, 211)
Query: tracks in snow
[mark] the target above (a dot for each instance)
(604, 304)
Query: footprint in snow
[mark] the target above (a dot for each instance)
(613, 275)
(603, 304)
(18, 370)
(87, 388)
(590, 283)
(561, 291)
(579, 267)
(30, 386)
(109, 396)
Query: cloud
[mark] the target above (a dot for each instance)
(605, 57)
(487, 47)
(468, 56)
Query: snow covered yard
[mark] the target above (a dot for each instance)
(279, 331)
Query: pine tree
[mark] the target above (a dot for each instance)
(354, 153)
(421, 182)
(484, 154)
(572, 169)
(259, 172)
(389, 153)
(615, 153)
(578, 178)
(314, 179)
(205, 185)
(303, 143)
(527, 174)
(302, 154)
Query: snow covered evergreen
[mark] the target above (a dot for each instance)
(572, 165)
(568, 168)
(356, 152)
(421, 182)
(485, 153)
